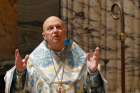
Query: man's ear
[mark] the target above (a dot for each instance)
(44, 35)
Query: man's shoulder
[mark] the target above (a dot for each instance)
(40, 48)
(77, 48)
(40, 52)
(40, 55)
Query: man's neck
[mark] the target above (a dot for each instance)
(57, 48)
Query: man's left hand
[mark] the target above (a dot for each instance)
(93, 60)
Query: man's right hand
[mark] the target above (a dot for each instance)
(20, 63)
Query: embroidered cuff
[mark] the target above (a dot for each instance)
(20, 80)
(92, 72)
(20, 73)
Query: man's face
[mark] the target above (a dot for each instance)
(54, 31)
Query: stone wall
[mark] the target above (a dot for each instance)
(31, 14)
(21, 27)
(21, 24)
(8, 29)
(91, 24)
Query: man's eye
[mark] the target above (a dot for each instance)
(50, 28)
(58, 27)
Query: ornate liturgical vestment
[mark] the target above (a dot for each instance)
(53, 72)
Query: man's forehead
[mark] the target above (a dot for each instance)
(53, 20)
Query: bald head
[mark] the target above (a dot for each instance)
(50, 20)
(54, 33)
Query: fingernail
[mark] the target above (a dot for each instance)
(97, 48)
(23, 60)
(26, 56)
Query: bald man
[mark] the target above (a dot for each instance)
(57, 65)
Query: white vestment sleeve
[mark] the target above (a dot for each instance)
(8, 79)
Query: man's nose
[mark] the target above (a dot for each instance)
(54, 29)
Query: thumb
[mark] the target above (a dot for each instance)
(17, 56)
(26, 59)
(96, 52)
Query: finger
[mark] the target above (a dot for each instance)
(17, 56)
(89, 55)
(96, 52)
(24, 65)
(97, 49)
(26, 59)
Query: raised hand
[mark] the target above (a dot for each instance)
(93, 60)
(20, 63)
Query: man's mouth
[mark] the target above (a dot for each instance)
(56, 37)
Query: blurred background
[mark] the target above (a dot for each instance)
(113, 25)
